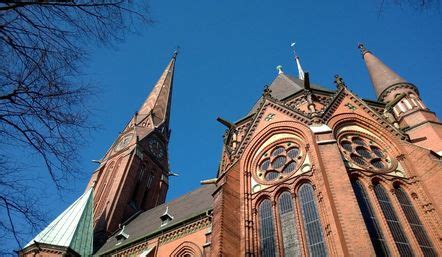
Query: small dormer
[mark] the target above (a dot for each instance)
(121, 236)
(166, 217)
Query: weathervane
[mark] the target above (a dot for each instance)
(298, 63)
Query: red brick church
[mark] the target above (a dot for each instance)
(308, 171)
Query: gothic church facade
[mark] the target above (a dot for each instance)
(309, 171)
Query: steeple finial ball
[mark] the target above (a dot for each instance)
(363, 49)
(279, 69)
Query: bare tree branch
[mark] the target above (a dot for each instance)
(43, 103)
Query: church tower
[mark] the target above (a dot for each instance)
(404, 104)
(311, 171)
(133, 174)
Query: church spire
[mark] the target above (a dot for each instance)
(298, 63)
(382, 77)
(157, 104)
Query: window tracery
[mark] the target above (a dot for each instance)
(280, 161)
(365, 152)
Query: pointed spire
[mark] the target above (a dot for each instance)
(298, 63)
(158, 102)
(382, 77)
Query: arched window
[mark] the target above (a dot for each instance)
(187, 249)
(312, 224)
(396, 230)
(267, 229)
(290, 239)
(378, 241)
(415, 223)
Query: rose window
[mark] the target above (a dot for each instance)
(365, 153)
(279, 161)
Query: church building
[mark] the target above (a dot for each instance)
(308, 171)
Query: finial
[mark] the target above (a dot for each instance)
(279, 69)
(363, 49)
(298, 63)
(177, 50)
(339, 81)
(267, 91)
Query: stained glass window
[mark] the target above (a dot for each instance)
(415, 223)
(312, 224)
(271, 175)
(293, 152)
(289, 167)
(395, 228)
(364, 153)
(346, 145)
(290, 240)
(378, 241)
(267, 229)
(279, 161)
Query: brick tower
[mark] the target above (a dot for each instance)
(133, 175)
(403, 101)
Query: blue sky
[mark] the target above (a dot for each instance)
(229, 51)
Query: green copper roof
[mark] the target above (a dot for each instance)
(73, 228)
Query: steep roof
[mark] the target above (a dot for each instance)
(382, 77)
(286, 85)
(159, 100)
(149, 222)
(73, 228)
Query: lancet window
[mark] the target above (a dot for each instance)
(415, 223)
(267, 229)
(286, 221)
(287, 224)
(396, 230)
(364, 153)
(376, 237)
(312, 224)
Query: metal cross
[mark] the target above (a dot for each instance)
(270, 116)
(350, 106)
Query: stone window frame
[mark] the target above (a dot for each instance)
(300, 225)
(258, 159)
(378, 142)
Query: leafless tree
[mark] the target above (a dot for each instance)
(43, 45)
(418, 5)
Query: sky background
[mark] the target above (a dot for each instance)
(229, 51)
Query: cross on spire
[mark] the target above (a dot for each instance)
(298, 63)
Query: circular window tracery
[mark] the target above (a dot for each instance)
(279, 161)
(365, 152)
